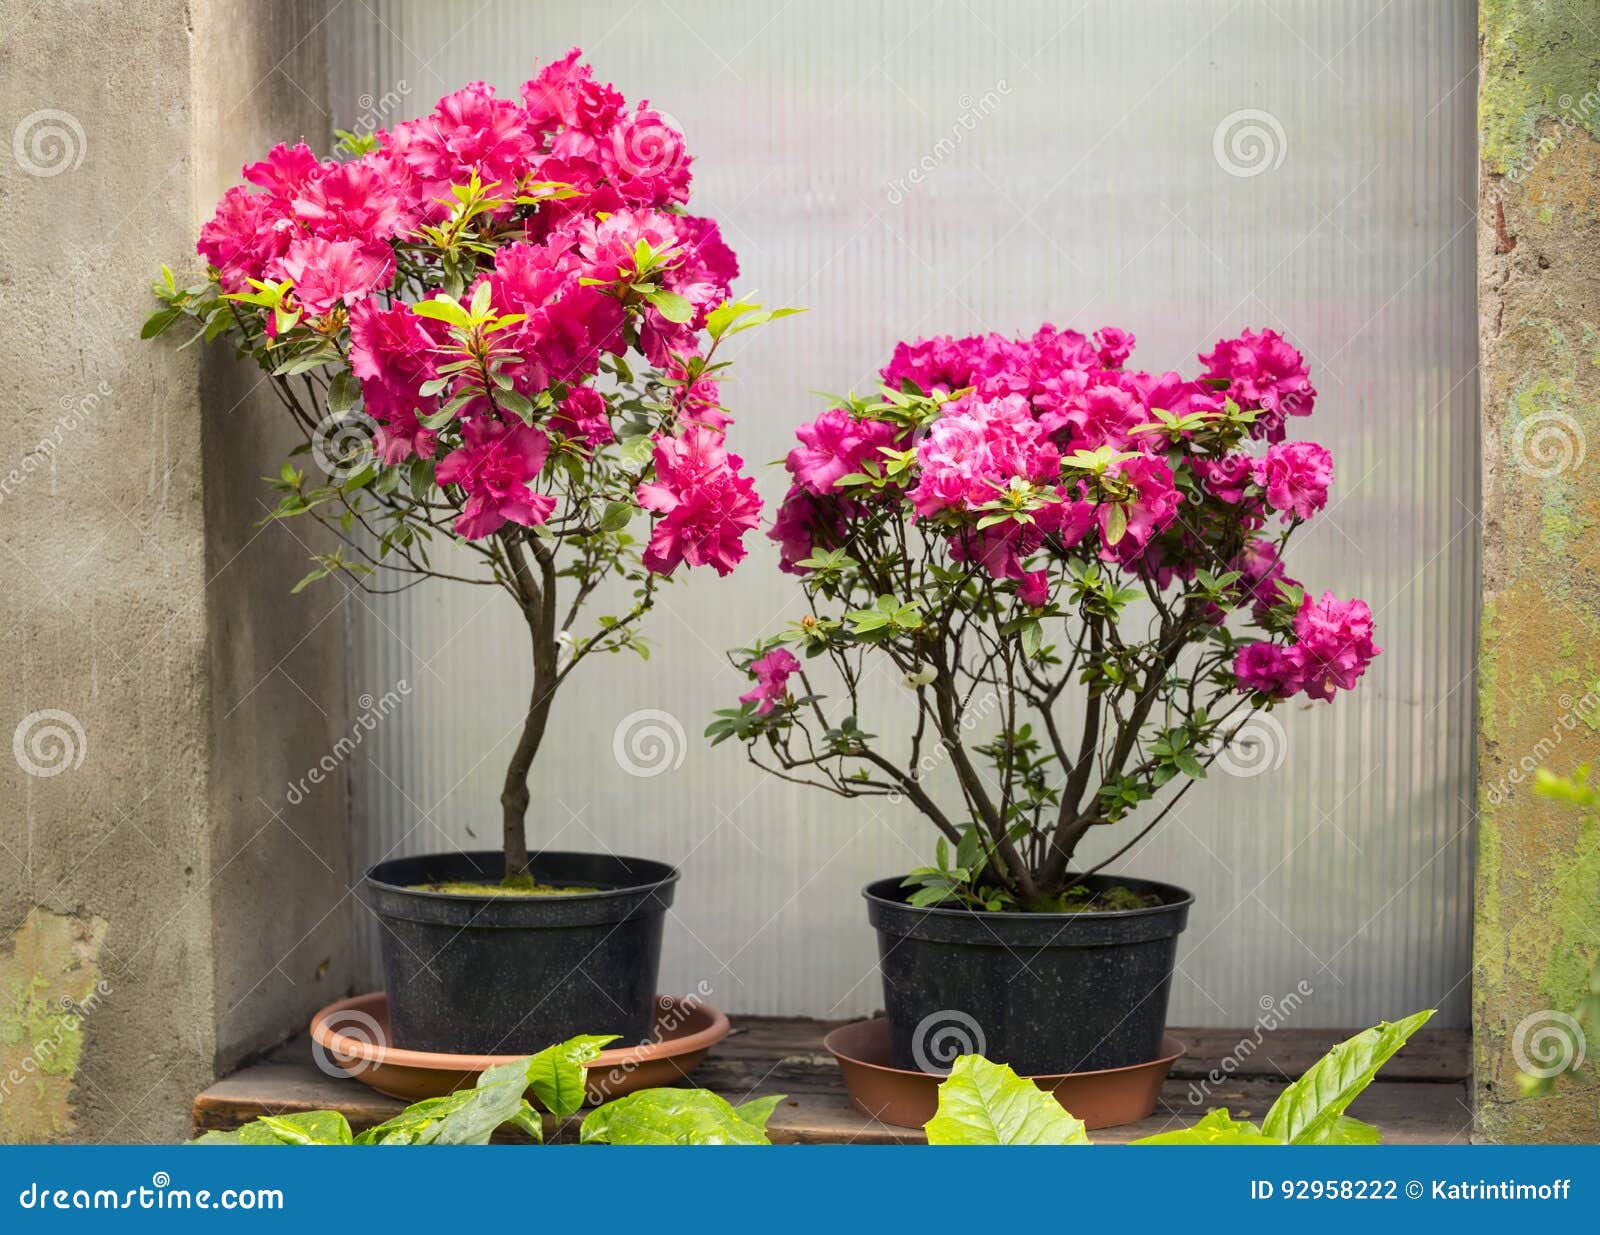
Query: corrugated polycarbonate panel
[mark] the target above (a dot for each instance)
(1181, 169)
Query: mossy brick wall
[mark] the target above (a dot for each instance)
(1537, 929)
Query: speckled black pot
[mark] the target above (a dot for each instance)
(1047, 993)
(510, 975)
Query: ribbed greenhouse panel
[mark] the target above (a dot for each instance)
(1179, 169)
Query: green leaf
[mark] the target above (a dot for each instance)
(466, 1117)
(310, 1128)
(159, 321)
(983, 1103)
(1116, 524)
(343, 392)
(1217, 1128)
(556, 1073)
(1309, 1111)
(758, 1111)
(671, 306)
(670, 1117)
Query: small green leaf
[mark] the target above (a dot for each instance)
(1116, 524)
(671, 306)
(556, 1073)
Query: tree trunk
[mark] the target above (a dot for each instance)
(538, 607)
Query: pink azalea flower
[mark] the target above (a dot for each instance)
(354, 201)
(583, 415)
(1264, 373)
(495, 465)
(803, 524)
(1153, 507)
(975, 449)
(392, 353)
(1268, 669)
(836, 444)
(1034, 588)
(566, 327)
(1263, 577)
(1333, 644)
(705, 505)
(1226, 478)
(470, 130)
(328, 272)
(772, 680)
(247, 235)
(287, 170)
(1113, 346)
(1296, 477)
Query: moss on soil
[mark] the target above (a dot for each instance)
(500, 889)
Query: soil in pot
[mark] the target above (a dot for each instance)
(506, 974)
(1047, 993)
(466, 888)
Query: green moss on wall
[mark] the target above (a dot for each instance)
(1541, 68)
(50, 989)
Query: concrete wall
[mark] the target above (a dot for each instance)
(163, 912)
(1538, 883)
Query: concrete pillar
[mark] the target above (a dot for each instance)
(164, 911)
(1538, 883)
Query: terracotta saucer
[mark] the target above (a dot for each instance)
(352, 1037)
(907, 1099)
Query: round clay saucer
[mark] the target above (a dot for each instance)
(907, 1099)
(352, 1036)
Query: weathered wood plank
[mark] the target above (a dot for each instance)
(1422, 1098)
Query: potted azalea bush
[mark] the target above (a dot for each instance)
(1070, 575)
(496, 328)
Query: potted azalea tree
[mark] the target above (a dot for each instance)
(496, 328)
(1071, 575)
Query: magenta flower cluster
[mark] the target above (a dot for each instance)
(578, 185)
(1095, 461)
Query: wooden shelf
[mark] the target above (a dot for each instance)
(1422, 1099)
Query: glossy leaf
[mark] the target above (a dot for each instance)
(1310, 1110)
(556, 1074)
(983, 1103)
(670, 1117)
(1218, 1127)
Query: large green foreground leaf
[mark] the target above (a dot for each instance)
(1311, 1111)
(678, 1117)
(983, 1103)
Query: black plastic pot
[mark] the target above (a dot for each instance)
(1047, 993)
(511, 975)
